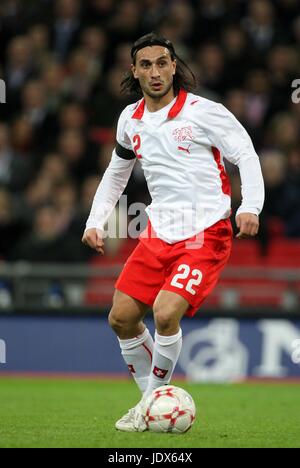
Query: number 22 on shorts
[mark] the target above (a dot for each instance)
(184, 273)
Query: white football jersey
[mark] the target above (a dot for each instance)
(181, 149)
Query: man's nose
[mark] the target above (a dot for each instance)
(155, 71)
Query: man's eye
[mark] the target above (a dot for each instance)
(162, 64)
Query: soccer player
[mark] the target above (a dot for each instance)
(180, 139)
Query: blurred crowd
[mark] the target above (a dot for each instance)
(62, 62)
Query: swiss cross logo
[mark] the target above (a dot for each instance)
(183, 134)
(161, 373)
(131, 368)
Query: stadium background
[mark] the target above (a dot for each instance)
(62, 62)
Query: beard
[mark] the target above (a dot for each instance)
(158, 94)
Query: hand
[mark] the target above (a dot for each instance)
(93, 238)
(248, 225)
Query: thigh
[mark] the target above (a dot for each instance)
(142, 276)
(171, 305)
(126, 315)
(194, 273)
(129, 306)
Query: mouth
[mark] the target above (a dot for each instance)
(156, 86)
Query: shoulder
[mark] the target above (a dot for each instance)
(202, 104)
(210, 114)
(128, 111)
(124, 125)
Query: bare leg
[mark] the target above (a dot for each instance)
(126, 316)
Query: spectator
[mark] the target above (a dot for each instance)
(35, 110)
(72, 116)
(82, 77)
(12, 228)
(38, 36)
(53, 76)
(14, 170)
(63, 62)
(54, 168)
(17, 70)
(47, 243)
(65, 30)
(94, 43)
(73, 147)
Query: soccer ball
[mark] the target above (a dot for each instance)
(169, 409)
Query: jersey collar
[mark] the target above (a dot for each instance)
(173, 112)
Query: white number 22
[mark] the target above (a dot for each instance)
(184, 275)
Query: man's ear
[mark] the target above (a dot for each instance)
(133, 69)
(175, 65)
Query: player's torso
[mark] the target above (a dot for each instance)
(175, 153)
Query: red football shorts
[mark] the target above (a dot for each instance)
(190, 268)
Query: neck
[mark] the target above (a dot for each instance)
(155, 104)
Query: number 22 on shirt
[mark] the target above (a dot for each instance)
(137, 145)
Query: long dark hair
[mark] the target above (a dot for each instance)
(183, 78)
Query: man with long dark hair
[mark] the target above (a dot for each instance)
(180, 140)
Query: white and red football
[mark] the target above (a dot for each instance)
(169, 409)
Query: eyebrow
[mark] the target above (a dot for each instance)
(144, 60)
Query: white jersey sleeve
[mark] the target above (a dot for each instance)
(230, 137)
(122, 135)
(114, 179)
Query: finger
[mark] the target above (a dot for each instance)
(247, 233)
(243, 236)
(242, 229)
(100, 250)
(99, 239)
(90, 241)
(240, 234)
(85, 241)
(253, 230)
(244, 232)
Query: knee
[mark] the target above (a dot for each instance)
(116, 319)
(166, 321)
(124, 318)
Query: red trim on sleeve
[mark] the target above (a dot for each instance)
(139, 112)
(224, 177)
(178, 105)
